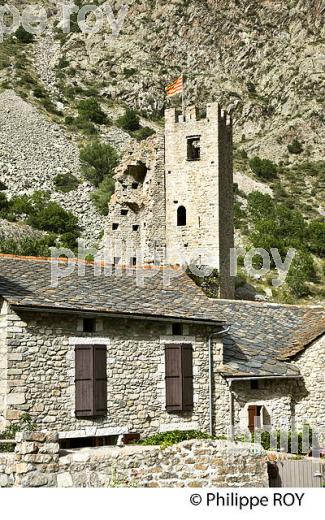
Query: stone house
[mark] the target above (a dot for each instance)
(142, 350)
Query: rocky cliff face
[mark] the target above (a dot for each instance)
(263, 60)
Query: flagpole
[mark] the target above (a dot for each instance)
(183, 97)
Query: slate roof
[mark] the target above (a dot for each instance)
(263, 337)
(26, 282)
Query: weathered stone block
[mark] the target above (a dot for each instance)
(26, 447)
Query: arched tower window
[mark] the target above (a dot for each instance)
(181, 216)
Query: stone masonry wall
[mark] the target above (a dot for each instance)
(36, 463)
(203, 187)
(288, 402)
(275, 395)
(41, 375)
(136, 220)
(3, 360)
(309, 406)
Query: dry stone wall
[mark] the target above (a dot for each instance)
(36, 463)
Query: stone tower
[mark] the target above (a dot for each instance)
(199, 191)
(173, 200)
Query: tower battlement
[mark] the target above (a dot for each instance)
(214, 113)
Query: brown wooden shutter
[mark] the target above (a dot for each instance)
(90, 380)
(187, 372)
(179, 377)
(100, 380)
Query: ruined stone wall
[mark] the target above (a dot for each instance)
(136, 220)
(203, 187)
(41, 376)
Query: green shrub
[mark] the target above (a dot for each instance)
(143, 133)
(316, 237)
(169, 438)
(102, 195)
(302, 270)
(39, 93)
(99, 160)
(129, 121)
(295, 147)
(263, 168)
(284, 440)
(54, 218)
(251, 87)
(66, 182)
(86, 126)
(90, 110)
(28, 246)
(24, 36)
(260, 206)
(25, 423)
(129, 72)
(69, 120)
(41, 213)
(4, 204)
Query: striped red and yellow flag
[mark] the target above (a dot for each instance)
(175, 88)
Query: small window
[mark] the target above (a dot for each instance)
(115, 226)
(124, 212)
(177, 329)
(116, 260)
(133, 261)
(193, 149)
(254, 384)
(135, 185)
(89, 325)
(135, 227)
(181, 216)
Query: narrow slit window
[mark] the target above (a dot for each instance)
(181, 216)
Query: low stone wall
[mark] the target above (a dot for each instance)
(37, 463)
(34, 462)
(188, 464)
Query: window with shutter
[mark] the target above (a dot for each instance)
(90, 380)
(179, 377)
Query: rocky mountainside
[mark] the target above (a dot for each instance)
(263, 60)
